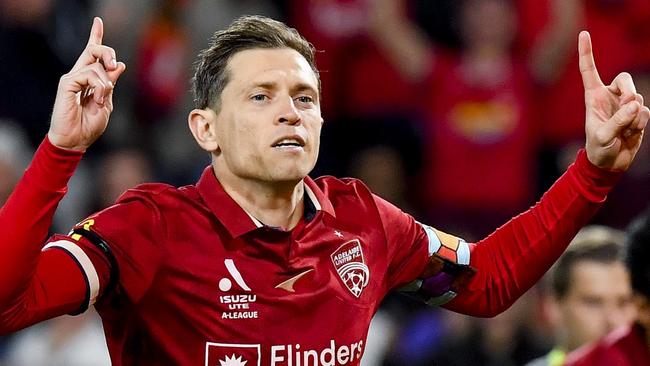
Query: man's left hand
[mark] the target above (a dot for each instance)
(615, 114)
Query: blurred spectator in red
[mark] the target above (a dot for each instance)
(350, 60)
(354, 99)
(587, 292)
(621, 24)
(629, 346)
(164, 51)
(478, 113)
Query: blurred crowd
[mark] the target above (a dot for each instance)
(461, 112)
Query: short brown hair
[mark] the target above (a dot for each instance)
(593, 243)
(211, 75)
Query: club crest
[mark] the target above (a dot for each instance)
(350, 265)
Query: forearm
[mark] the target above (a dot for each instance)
(515, 256)
(552, 50)
(403, 43)
(27, 215)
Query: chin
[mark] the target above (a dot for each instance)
(289, 174)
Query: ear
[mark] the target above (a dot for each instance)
(202, 123)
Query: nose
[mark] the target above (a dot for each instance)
(289, 113)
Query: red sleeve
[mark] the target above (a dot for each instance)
(423, 262)
(407, 244)
(130, 235)
(515, 256)
(27, 277)
(65, 275)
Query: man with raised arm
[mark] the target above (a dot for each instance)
(257, 263)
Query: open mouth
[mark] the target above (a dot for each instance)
(289, 142)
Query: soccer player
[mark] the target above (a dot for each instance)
(259, 264)
(629, 346)
(589, 292)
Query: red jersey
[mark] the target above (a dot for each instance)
(209, 281)
(624, 347)
(485, 126)
(184, 276)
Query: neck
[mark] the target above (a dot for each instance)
(278, 204)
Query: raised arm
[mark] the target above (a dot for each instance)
(552, 50)
(403, 42)
(30, 280)
(515, 256)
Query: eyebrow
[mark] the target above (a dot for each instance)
(300, 87)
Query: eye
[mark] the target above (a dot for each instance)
(259, 97)
(305, 99)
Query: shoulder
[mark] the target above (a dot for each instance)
(353, 200)
(334, 187)
(158, 196)
(147, 191)
(346, 193)
(140, 207)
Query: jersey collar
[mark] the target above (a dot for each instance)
(239, 222)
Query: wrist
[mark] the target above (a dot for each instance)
(55, 142)
(53, 166)
(593, 182)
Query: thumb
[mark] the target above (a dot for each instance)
(615, 126)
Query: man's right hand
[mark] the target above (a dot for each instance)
(84, 99)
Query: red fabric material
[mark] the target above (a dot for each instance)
(480, 141)
(162, 59)
(171, 245)
(372, 96)
(172, 303)
(623, 347)
(621, 43)
(34, 286)
(350, 61)
(515, 256)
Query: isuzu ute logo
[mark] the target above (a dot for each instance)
(351, 266)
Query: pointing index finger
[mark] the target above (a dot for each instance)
(590, 77)
(97, 31)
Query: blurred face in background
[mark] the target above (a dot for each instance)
(488, 24)
(598, 300)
